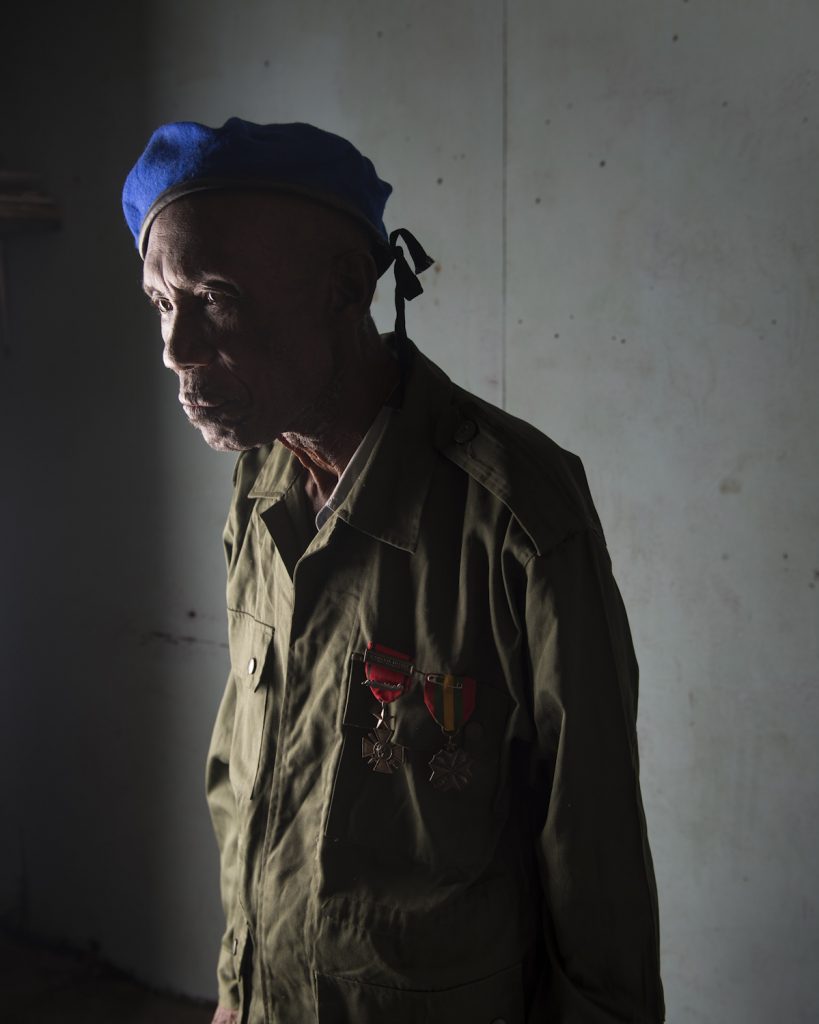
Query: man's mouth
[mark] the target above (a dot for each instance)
(198, 403)
(201, 410)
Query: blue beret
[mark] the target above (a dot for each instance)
(185, 157)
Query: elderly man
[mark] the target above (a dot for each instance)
(423, 775)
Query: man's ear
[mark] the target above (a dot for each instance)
(352, 284)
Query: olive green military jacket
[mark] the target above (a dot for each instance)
(470, 544)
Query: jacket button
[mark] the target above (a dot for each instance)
(251, 666)
(465, 431)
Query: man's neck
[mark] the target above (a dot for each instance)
(326, 450)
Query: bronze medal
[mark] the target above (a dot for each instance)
(378, 750)
(389, 676)
(451, 768)
(450, 700)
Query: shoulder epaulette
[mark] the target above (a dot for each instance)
(543, 485)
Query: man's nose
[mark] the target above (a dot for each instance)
(185, 343)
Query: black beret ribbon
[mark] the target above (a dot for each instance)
(407, 285)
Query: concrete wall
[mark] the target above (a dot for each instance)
(622, 200)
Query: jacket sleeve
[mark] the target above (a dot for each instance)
(222, 804)
(600, 919)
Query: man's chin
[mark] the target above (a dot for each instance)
(223, 439)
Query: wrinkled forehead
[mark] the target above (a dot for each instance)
(238, 231)
(228, 217)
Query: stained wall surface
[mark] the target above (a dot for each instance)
(622, 203)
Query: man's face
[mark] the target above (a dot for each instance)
(244, 305)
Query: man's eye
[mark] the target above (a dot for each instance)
(163, 305)
(215, 297)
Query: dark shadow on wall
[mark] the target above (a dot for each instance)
(53, 986)
(85, 740)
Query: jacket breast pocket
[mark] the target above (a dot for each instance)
(250, 669)
(396, 802)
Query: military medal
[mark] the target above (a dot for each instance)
(378, 750)
(450, 700)
(451, 767)
(389, 675)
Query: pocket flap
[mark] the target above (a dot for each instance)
(497, 999)
(249, 646)
(251, 660)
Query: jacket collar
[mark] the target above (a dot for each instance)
(387, 499)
